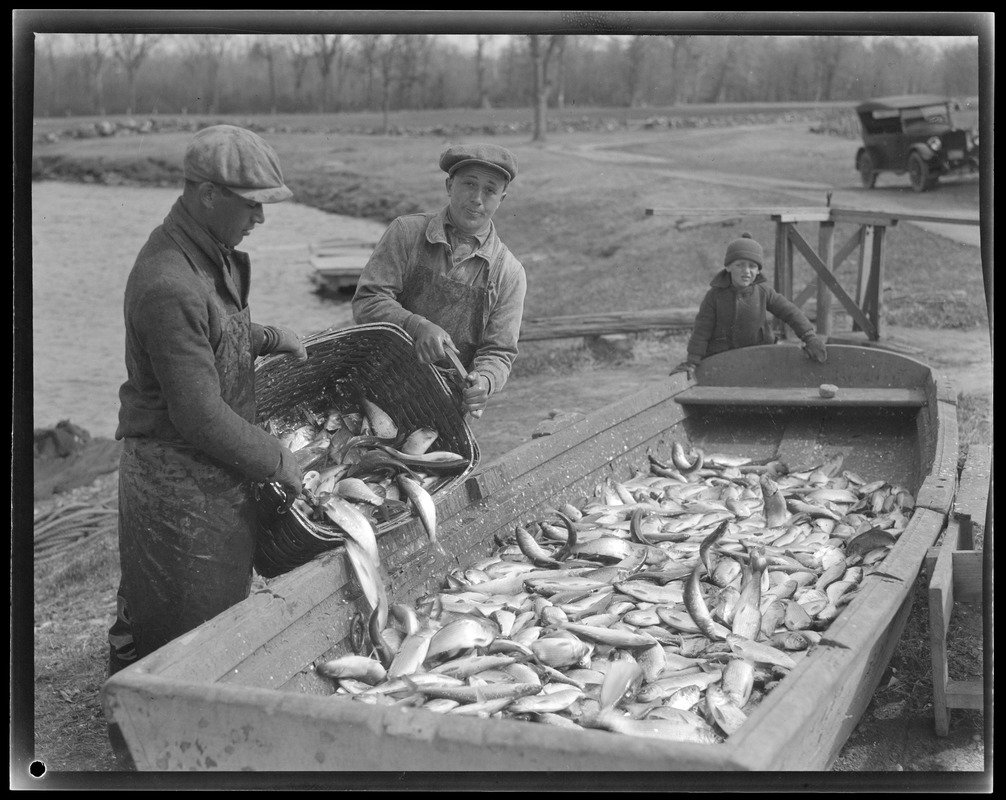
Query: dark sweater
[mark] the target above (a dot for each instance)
(190, 349)
(729, 317)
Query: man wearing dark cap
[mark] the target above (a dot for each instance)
(448, 279)
(191, 447)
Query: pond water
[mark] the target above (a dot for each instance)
(85, 238)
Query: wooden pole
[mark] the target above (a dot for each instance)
(825, 249)
(783, 277)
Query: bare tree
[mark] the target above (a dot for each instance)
(265, 49)
(326, 45)
(299, 48)
(384, 53)
(95, 57)
(635, 67)
(680, 55)
(826, 52)
(481, 66)
(541, 54)
(560, 74)
(131, 50)
(413, 51)
(366, 47)
(204, 56)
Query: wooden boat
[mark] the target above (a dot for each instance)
(337, 265)
(239, 692)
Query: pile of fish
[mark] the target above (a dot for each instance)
(359, 470)
(667, 605)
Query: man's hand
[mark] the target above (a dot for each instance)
(688, 367)
(288, 474)
(815, 348)
(289, 342)
(475, 394)
(431, 340)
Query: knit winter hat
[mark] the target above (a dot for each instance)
(745, 247)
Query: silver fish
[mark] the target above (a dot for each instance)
(723, 711)
(560, 651)
(411, 655)
(668, 730)
(459, 635)
(546, 702)
(467, 666)
(422, 502)
(475, 694)
(361, 668)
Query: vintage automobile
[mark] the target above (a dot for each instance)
(913, 133)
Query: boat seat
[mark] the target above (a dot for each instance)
(800, 396)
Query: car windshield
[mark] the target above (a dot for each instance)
(925, 115)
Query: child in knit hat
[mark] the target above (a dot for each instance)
(734, 312)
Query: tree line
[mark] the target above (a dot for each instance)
(88, 74)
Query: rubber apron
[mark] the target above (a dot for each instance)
(459, 308)
(187, 522)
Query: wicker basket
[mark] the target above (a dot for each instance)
(379, 360)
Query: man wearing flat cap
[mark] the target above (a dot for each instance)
(448, 279)
(187, 418)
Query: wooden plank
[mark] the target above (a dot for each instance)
(940, 484)
(801, 396)
(825, 275)
(874, 305)
(885, 218)
(867, 233)
(304, 734)
(783, 272)
(966, 694)
(847, 249)
(576, 325)
(813, 213)
(972, 501)
(826, 250)
(800, 215)
(817, 214)
(941, 604)
(968, 577)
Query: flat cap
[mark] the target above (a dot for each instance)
(238, 159)
(488, 155)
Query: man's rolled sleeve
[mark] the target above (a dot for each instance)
(382, 280)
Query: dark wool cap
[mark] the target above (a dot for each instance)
(488, 155)
(745, 247)
(238, 159)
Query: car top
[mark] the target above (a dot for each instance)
(902, 101)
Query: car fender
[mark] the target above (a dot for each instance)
(923, 150)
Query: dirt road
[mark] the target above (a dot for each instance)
(954, 198)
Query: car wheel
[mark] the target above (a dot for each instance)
(866, 173)
(918, 173)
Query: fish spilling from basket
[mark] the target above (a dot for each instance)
(667, 605)
(360, 469)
